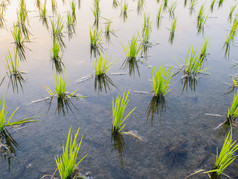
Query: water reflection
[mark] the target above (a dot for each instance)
(16, 82)
(156, 107)
(103, 83)
(140, 5)
(171, 37)
(8, 147)
(95, 50)
(118, 144)
(64, 105)
(57, 64)
(115, 4)
(227, 48)
(189, 83)
(71, 30)
(132, 65)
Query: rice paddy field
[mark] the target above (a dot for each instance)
(95, 50)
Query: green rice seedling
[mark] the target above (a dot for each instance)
(95, 38)
(102, 65)
(193, 64)
(220, 3)
(185, 3)
(22, 15)
(172, 9)
(43, 11)
(96, 12)
(201, 22)
(231, 12)
(57, 27)
(160, 81)
(192, 5)
(124, 9)
(203, 52)
(146, 30)
(159, 16)
(12, 64)
(118, 110)
(38, 5)
(233, 110)
(4, 122)
(172, 30)
(70, 25)
(212, 5)
(201, 11)
(2, 19)
(55, 50)
(67, 163)
(225, 157)
(60, 86)
(73, 7)
(230, 36)
(133, 50)
(108, 27)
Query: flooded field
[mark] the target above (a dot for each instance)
(172, 132)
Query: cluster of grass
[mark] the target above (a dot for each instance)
(233, 110)
(57, 27)
(147, 29)
(96, 12)
(118, 110)
(12, 64)
(22, 15)
(172, 30)
(165, 3)
(67, 163)
(108, 27)
(124, 9)
(55, 50)
(140, 4)
(193, 63)
(4, 122)
(102, 65)
(115, 3)
(95, 38)
(160, 81)
(192, 5)
(43, 11)
(220, 3)
(73, 7)
(53, 5)
(134, 48)
(201, 18)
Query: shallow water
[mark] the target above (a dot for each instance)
(183, 125)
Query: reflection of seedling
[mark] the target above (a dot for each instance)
(165, 3)
(96, 12)
(70, 24)
(192, 5)
(118, 109)
(53, 5)
(3, 117)
(12, 64)
(22, 15)
(201, 19)
(43, 14)
(103, 83)
(231, 12)
(115, 3)
(140, 4)
(173, 27)
(67, 162)
(220, 3)
(160, 81)
(133, 50)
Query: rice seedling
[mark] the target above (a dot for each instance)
(70, 25)
(73, 7)
(95, 38)
(96, 12)
(118, 110)
(146, 33)
(124, 9)
(19, 40)
(159, 16)
(192, 5)
(193, 64)
(57, 27)
(4, 122)
(133, 50)
(185, 3)
(231, 12)
(160, 81)
(212, 5)
(203, 52)
(102, 65)
(43, 11)
(2, 19)
(55, 50)
(201, 22)
(12, 64)
(38, 5)
(220, 3)
(67, 163)
(201, 11)
(230, 36)
(172, 30)
(22, 15)
(108, 30)
(172, 9)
